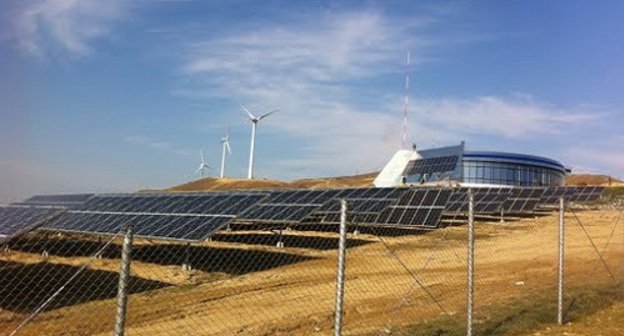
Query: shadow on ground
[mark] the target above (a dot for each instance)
(289, 240)
(202, 258)
(24, 288)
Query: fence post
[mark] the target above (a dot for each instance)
(561, 257)
(470, 264)
(122, 290)
(342, 247)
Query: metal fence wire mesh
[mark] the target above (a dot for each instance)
(267, 262)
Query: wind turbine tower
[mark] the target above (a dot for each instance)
(254, 123)
(202, 165)
(225, 142)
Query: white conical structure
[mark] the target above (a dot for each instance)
(225, 143)
(254, 123)
(202, 165)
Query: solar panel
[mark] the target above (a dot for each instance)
(431, 169)
(586, 194)
(61, 200)
(165, 227)
(522, 200)
(417, 207)
(364, 205)
(486, 200)
(289, 206)
(571, 193)
(17, 220)
(190, 217)
(552, 194)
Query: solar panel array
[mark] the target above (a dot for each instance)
(431, 166)
(62, 200)
(486, 200)
(420, 207)
(522, 200)
(190, 217)
(578, 194)
(196, 216)
(16, 220)
(364, 204)
(288, 206)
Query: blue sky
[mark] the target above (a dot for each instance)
(121, 95)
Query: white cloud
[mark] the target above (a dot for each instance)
(162, 146)
(504, 117)
(606, 159)
(319, 73)
(71, 24)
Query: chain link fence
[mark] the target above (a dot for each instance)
(283, 279)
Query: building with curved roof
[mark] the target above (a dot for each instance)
(454, 165)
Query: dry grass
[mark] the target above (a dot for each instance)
(364, 180)
(592, 179)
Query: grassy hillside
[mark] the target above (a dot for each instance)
(592, 179)
(364, 180)
(355, 181)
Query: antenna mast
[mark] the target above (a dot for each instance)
(405, 102)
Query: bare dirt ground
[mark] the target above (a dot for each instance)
(249, 289)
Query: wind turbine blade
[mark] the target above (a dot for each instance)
(201, 154)
(268, 114)
(227, 146)
(251, 116)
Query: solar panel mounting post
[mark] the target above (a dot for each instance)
(122, 289)
(561, 259)
(280, 242)
(187, 257)
(470, 264)
(340, 277)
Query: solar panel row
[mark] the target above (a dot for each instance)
(191, 217)
(64, 200)
(365, 205)
(196, 216)
(173, 227)
(486, 200)
(15, 220)
(417, 208)
(572, 194)
(523, 200)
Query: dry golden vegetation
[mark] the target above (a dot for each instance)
(355, 181)
(364, 180)
(590, 179)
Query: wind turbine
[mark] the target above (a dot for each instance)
(225, 142)
(254, 123)
(202, 165)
